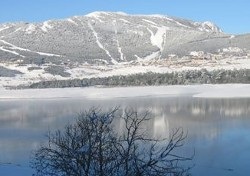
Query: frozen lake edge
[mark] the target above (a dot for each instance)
(197, 91)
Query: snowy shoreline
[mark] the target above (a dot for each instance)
(197, 91)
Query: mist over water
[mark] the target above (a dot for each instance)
(218, 129)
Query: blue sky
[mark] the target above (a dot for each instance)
(231, 15)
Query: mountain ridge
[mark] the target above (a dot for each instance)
(111, 42)
(86, 21)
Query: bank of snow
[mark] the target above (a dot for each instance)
(198, 91)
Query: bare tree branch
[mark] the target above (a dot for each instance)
(91, 147)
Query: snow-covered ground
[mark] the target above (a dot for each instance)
(197, 91)
(81, 71)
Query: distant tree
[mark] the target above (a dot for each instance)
(92, 147)
(202, 76)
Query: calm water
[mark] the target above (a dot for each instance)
(218, 129)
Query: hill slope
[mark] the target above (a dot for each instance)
(105, 43)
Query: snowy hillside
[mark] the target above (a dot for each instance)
(104, 43)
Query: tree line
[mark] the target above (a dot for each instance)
(202, 76)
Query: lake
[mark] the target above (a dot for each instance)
(218, 129)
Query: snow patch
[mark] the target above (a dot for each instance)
(46, 26)
(102, 60)
(180, 24)
(135, 32)
(72, 21)
(97, 15)
(125, 21)
(232, 50)
(48, 54)
(18, 29)
(157, 16)
(197, 53)
(232, 36)
(4, 28)
(158, 38)
(154, 55)
(139, 59)
(121, 13)
(31, 28)
(169, 19)
(28, 76)
(207, 26)
(120, 50)
(148, 21)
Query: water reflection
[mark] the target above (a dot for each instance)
(161, 127)
(218, 129)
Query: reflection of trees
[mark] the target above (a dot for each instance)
(34, 114)
(92, 147)
(39, 113)
(161, 126)
(160, 123)
(222, 108)
(202, 118)
(210, 108)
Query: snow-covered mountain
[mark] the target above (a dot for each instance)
(107, 43)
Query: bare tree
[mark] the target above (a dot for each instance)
(92, 147)
(143, 155)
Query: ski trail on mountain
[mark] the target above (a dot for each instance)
(12, 52)
(117, 41)
(14, 47)
(100, 44)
